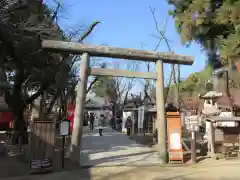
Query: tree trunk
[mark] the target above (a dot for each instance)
(19, 132)
(17, 106)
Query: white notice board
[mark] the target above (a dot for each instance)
(64, 128)
(175, 141)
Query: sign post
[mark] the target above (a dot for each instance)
(193, 127)
(64, 131)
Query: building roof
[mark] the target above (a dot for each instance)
(210, 95)
(96, 103)
(168, 108)
(222, 118)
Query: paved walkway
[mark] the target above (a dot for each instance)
(114, 148)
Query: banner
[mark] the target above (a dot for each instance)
(70, 115)
(174, 137)
(140, 117)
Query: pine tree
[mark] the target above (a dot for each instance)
(215, 24)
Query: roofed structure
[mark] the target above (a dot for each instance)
(96, 103)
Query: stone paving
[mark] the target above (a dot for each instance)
(114, 148)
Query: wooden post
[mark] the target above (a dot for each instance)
(79, 110)
(193, 147)
(161, 121)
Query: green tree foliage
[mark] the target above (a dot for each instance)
(215, 24)
(101, 86)
(22, 63)
(196, 81)
(25, 67)
(105, 86)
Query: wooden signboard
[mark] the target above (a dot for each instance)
(192, 123)
(41, 164)
(174, 137)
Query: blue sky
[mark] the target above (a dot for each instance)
(129, 23)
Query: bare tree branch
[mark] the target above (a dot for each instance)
(55, 13)
(90, 29)
(124, 85)
(161, 33)
(65, 71)
(161, 37)
(95, 80)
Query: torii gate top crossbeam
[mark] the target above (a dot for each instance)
(114, 52)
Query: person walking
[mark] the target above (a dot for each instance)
(128, 125)
(101, 124)
(91, 120)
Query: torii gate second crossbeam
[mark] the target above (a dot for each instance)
(121, 53)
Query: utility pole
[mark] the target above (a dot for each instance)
(227, 88)
(178, 86)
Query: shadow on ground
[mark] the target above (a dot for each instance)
(13, 166)
(16, 164)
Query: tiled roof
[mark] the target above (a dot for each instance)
(95, 102)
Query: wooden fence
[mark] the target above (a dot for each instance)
(42, 141)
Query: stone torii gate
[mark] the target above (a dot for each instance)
(121, 53)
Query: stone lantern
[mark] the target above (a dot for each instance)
(210, 97)
(210, 108)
